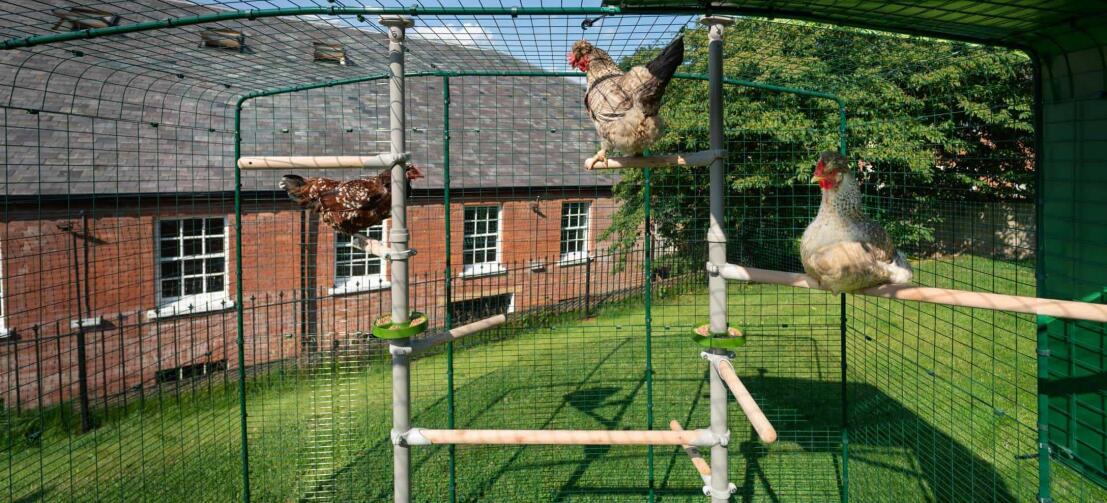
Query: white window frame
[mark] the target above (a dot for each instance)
(484, 268)
(202, 302)
(365, 283)
(580, 257)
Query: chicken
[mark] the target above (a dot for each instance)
(624, 106)
(843, 249)
(349, 206)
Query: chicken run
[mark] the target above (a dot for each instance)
(615, 251)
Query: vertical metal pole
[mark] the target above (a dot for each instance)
(1045, 490)
(647, 181)
(451, 412)
(239, 312)
(842, 335)
(398, 238)
(82, 365)
(716, 251)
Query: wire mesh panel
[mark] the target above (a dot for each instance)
(133, 369)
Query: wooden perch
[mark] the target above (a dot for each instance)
(701, 158)
(458, 332)
(321, 162)
(698, 462)
(1030, 305)
(761, 424)
(420, 436)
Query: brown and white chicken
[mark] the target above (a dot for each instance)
(350, 206)
(843, 249)
(624, 106)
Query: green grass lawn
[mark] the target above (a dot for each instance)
(941, 409)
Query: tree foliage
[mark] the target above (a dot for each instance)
(928, 121)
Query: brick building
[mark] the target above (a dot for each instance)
(118, 224)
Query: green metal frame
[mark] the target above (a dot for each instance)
(648, 292)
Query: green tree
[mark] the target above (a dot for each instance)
(928, 121)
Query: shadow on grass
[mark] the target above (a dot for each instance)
(895, 453)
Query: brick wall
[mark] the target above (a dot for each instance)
(288, 272)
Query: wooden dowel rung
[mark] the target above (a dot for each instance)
(458, 332)
(420, 436)
(761, 424)
(1015, 303)
(693, 452)
(320, 162)
(701, 158)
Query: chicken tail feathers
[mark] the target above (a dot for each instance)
(899, 271)
(665, 64)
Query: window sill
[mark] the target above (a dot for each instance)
(187, 307)
(483, 270)
(359, 286)
(572, 261)
(5, 333)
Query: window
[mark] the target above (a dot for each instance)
(468, 311)
(356, 270)
(82, 18)
(326, 52)
(190, 371)
(223, 38)
(192, 266)
(481, 251)
(574, 233)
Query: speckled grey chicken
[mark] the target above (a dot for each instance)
(844, 249)
(350, 206)
(624, 106)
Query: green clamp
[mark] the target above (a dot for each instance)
(383, 328)
(702, 335)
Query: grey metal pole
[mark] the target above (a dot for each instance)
(716, 252)
(398, 238)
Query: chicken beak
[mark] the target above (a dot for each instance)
(817, 178)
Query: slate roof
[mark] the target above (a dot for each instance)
(152, 112)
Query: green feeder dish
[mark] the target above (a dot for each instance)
(734, 338)
(383, 328)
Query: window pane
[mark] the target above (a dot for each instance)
(214, 245)
(376, 232)
(193, 227)
(358, 269)
(193, 267)
(170, 248)
(214, 265)
(342, 271)
(373, 267)
(467, 258)
(214, 226)
(168, 228)
(193, 286)
(215, 283)
(170, 269)
(193, 247)
(171, 288)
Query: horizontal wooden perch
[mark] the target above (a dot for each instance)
(420, 436)
(321, 162)
(1030, 305)
(458, 332)
(701, 158)
(761, 424)
(698, 462)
